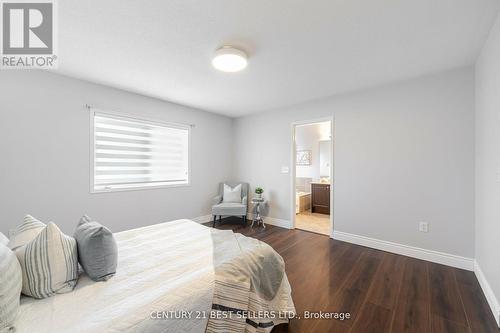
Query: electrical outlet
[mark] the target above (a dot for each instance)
(423, 227)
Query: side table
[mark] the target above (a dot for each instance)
(258, 202)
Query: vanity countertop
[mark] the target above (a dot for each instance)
(321, 183)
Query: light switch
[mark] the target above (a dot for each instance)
(423, 226)
(285, 169)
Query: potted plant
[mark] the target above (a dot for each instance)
(258, 192)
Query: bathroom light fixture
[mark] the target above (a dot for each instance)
(229, 59)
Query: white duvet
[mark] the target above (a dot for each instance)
(164, 267)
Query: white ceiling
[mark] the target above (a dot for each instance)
(298, 50)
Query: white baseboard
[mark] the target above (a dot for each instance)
(406, 250)
(274, 221)
(203, 219)
(488, 292)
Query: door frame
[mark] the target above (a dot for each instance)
(293, 166)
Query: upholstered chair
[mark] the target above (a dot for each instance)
(221, 207)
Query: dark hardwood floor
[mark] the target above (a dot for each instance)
(383, 292)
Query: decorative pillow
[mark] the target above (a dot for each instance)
(49, 263)
(232, 194)
(26, 232)
(10, 288)
(3, 239)
(97, 250)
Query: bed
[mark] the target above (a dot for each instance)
(178, 276)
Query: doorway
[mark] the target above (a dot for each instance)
(312, 176)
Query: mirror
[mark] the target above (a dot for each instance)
(325, 148)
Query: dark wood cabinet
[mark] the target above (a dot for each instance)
(320, 199)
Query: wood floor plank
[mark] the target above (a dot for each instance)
(413, 305)
(341, 262)
(314, 259)
(341, 266)
(347, 301)
(323, 326)
(333, 276)
(411, 317)
(466, 278)
(364, 272)
(373, 319)
(352, 294)
(445, 301)
(476, 306)
(441, 325)
(387, 282)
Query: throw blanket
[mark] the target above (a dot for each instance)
(251, 290)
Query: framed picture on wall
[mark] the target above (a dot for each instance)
(303, 157)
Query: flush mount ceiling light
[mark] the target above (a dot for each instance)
(229, 59)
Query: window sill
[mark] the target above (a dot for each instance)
(139, 188)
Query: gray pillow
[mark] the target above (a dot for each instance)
(10, 288)
(97, 250)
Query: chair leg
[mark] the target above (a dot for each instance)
(220, 219)
(244, 220)
(215, 218)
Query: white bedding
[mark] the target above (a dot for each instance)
(163, 267)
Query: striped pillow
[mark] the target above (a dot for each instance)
(49, 263)
(10, 288)
(26, 232)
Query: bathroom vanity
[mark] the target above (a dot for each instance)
(320, 197)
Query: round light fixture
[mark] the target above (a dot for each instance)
(229, 59)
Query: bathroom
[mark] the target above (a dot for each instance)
(313, 186)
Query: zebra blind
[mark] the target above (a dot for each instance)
(131, 153)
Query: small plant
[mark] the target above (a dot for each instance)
(259, 190)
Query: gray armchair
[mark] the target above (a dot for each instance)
(221, 208)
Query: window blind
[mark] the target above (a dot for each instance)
(131, 153)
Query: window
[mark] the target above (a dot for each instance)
(130, 153)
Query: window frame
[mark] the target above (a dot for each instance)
(92, 158)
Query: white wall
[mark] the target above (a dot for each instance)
(44, 163)
(403, 153)
(488, 161)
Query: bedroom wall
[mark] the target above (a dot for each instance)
(488, 166)
(404, 153)
(44, 165)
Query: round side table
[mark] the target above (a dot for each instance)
(256, 216)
